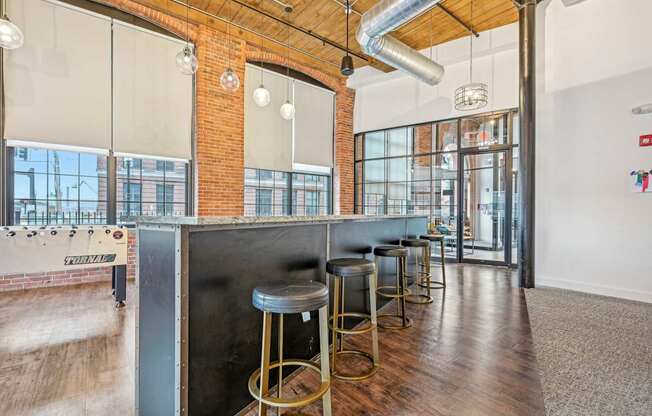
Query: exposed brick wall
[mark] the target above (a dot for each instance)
(69, 277)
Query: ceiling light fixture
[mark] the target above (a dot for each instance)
(186, 59)
(11, 37)
(229, 79)
(262, 96)
(474, 95)
(347, 62)
(287, 109)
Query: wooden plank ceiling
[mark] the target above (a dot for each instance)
(327, 19)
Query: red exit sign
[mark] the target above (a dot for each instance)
(645, 141)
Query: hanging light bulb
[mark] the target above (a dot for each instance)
(346, 68)
(287, 111)
(11, 37)
(262, 96)
(474, 95)
(229, 80)
(187, 61)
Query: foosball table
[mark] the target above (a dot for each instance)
(51, 248)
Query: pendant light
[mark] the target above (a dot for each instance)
(347, 62)
(186, 59)
(474, 95)
(261, 94)
(11, 37)
(229, 79)
(287, 109)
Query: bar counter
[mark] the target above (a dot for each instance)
(198, 337)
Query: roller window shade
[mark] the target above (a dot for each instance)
(152, 99)
(268, 137)
(58, 85)
(313, 135)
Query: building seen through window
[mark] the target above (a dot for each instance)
(273, 193)
(64, 187)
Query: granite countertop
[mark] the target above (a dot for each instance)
(231, 221)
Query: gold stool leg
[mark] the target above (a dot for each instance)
(323, 350)
(336, 310)
(264, 362)
(421, 279)
(403, 285)
(373, 283)
(279, 386)
(443, 261)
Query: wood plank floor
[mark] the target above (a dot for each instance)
(67, 351)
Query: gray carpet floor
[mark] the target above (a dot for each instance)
(594, 353)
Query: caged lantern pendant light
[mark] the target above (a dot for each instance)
(474, 95)
(347, 62)
(287, 109)
(229, 79)
(186, 59)
(11, 37)
(262, 96)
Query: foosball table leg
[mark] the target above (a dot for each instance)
(119, 281)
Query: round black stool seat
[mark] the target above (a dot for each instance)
(432, 237)
(348, 267)
(390, 251)
(290, 297)
(414, 242)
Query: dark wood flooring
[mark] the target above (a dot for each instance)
(67, 351)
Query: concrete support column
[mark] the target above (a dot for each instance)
(527, 109)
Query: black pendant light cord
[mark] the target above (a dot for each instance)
(348, 13)
(287, 63)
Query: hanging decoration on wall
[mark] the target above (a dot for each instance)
(287, 109)
(641, 180)
(229, 79)
(186, 59)
(346, 68)
(474, 95)
(11, 37)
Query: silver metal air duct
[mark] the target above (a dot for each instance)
(386, 16)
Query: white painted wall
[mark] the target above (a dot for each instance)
(594, 64)
(395, 99)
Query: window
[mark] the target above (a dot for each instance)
(414, 170)
(268, 193)
(150, 187)
(58, 187)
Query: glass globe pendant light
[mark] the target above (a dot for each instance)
(229, 80)
(186, 59)
(262, 97)
(287, 109)
(11, 37)
(474, 95)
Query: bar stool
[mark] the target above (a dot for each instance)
(433, 284)
(397, 292)
(346, 268)
(283, 298)
(421, 274)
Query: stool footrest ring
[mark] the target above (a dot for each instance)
(289, 402)
(408, 321)
(419, 299)
(381, 291)
(359, 377)
(433, 285)
(365, 317)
